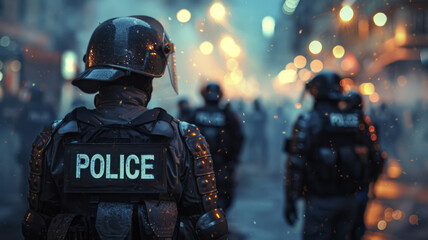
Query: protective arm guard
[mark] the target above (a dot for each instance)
(36, 221)
(206, 184)
(212, 225)
(296, 147)
(377, 158)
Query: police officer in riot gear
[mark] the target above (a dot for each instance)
(222, 129)
(332, 155)
(122, 171)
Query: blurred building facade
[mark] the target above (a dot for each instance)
(33, 37)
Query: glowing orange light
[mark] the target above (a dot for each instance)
(298, 105)
(299, 61)
(394, 169)
(374, 97)
(397, 215)
(413, 219)
(367, 88)
(305, 74)
(316, 65)
(291, 66)
(347, 84)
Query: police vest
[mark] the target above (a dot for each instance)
(338, 155)
(212, 125)
(120, 162)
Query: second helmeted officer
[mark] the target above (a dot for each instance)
(328, 158)
(222, 129)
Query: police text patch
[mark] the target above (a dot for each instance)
(114, 168)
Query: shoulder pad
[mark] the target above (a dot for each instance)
(163, 128)
(70, 127)
(199, 148)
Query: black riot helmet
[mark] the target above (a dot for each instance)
(124, 45)
(212, 93)
(325, 86)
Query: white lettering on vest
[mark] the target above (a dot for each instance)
(79, 165)
(128, 166)
(145, 165)
(102, 166)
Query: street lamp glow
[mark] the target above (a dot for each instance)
(184, 15)
(346, 13)
(315, 47)
(316, 66)
(338, 51)
(206, 48)
(268, 26)
(217, 11)
(299, 61)
(380, 19)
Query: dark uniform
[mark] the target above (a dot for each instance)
(333, 154)
(222, 129)
(122, 171)
(31, 119)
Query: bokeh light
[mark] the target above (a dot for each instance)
(380, 19)
(338, 51)
(381, 225)
(268, 26)
(347, 84)
(299, 61)
(287, 76)
(206, 48)
(15, 66)
(232, 64)
(315, 47)
(305, 74)
(367, 88)
(394, 169)
(413, 219)
(184, 15)
(374, 98)
(346, 13)
(217, 11)
(291, 66)
(316, 66)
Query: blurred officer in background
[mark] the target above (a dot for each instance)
(122, 171)
(354, 103)
(185, 112)
(31, 119)
(328, 158)
(222, 130)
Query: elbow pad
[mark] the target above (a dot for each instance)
(34, 226)
(212, 225)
